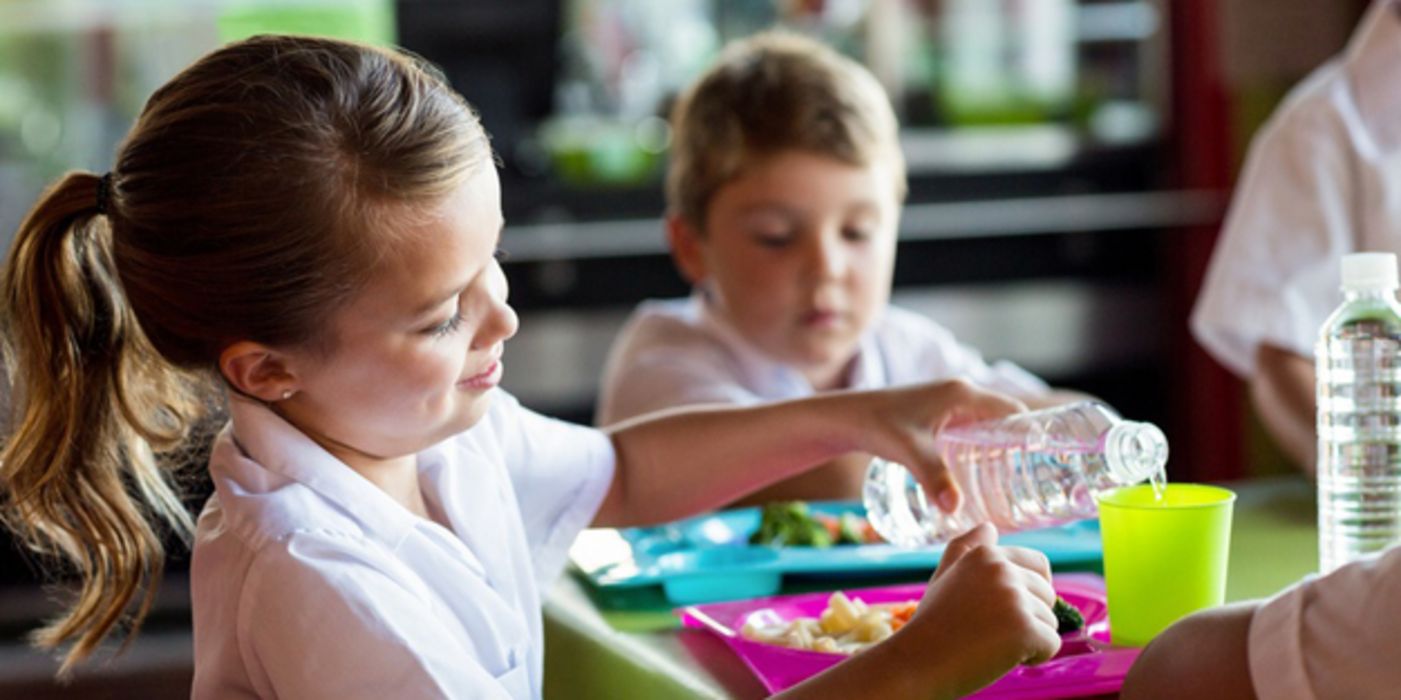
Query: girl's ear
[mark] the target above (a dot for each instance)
(256, 370)
(687, 249)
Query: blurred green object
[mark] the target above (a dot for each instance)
(1003, 62)
(789, 523)
(590, 151)
(369, 21)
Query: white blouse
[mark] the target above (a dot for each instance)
(678, 352)
(1322, 179)
(310, 582)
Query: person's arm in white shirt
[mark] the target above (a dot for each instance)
(1282, 391)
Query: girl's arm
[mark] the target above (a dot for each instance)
(987, 609)
(683, 462)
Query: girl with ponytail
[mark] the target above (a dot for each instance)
(302, 232)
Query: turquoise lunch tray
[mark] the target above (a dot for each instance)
(709, 558)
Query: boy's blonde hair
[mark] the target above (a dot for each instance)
(773, 92)
(247, 203)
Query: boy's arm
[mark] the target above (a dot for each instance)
(1205, 655)
(683, 462)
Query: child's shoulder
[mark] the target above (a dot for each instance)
(667, 354)
(284, 494)
(672, 324)
(683, 311)
(282, 544)
(274, 519)
(917, 348)
(907, 328)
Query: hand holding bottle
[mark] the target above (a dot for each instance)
(1019, 472)
(906, 423)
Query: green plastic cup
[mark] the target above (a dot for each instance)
(1163, 559)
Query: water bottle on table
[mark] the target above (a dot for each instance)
(1358, 367)
(1021, 472)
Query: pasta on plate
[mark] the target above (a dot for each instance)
(846, 626)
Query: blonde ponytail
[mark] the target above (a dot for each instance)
(92, 406)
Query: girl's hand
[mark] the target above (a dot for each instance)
(906, 422)
(987, 609)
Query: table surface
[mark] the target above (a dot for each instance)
(607, 647)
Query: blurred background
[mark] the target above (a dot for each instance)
(1070, 163)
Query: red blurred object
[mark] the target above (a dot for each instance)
(1207, 407)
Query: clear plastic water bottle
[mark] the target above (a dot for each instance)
(1358, 363)
(1025, 471)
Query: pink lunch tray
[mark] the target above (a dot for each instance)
(1086, 665)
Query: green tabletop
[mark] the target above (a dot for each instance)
(1274, 536)
(632, 646)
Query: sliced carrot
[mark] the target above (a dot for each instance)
(833, 525)
(903, 611)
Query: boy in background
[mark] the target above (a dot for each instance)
(784, 191)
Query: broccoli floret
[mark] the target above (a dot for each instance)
(812, 534)
(1068, 619)
(789, 523)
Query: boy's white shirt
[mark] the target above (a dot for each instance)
(1322, 179)
(1335, 636)
(310, 582)
(679, 352)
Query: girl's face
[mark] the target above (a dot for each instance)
(797, 254)
(418, 352)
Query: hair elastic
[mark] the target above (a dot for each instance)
(104, 192)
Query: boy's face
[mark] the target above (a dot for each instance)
(419, 349)
(797, 254)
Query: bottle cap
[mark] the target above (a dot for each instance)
(1369, 271)
(1135, 451)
